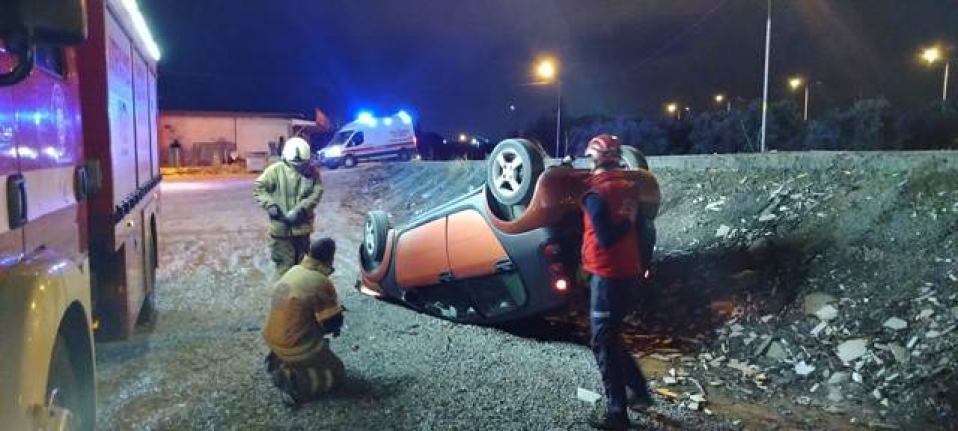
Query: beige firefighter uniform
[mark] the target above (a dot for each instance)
(304, 298)
(294, 192)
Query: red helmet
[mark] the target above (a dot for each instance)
(604, 150)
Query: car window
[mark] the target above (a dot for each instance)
(358, 139)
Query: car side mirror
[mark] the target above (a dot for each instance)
(48, 22)
(26, 23)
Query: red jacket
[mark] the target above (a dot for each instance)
(610, 241)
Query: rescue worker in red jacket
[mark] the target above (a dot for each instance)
(304, 310)
(612, 254)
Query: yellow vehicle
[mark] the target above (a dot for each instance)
(80, 173)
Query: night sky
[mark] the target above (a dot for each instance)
(459, 64)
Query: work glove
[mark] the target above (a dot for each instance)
(293, 216)
(273, 211)
(334, 324)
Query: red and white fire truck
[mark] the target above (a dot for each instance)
(79, 199)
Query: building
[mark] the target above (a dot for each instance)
(214, 137)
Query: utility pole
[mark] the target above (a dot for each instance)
(768, 39)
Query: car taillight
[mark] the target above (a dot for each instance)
(551, 251)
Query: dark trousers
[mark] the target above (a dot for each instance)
(608, 305)
(286, 252)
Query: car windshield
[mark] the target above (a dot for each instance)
(340, 138)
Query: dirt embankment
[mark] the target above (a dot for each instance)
(823, 283)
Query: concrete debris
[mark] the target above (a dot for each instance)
(926, 313)
(692, 405)
(767, 217)
(827, 313)
(895, 324)
(699, 398)
(669, 380)
(588, 396)
(852, 349)
(857, 377)
(932, 334)
(746, 369)
(803, 369)
(815, 301)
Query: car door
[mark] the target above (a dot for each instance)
(421, 256)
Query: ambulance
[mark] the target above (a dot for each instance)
(370, 138)
(80, 204)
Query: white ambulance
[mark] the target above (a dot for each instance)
(370, 138)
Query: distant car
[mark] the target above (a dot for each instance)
(502, 252)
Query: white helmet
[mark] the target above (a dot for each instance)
(296, 150)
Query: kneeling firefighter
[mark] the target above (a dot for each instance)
(304, 311)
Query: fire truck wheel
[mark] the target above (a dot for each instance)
(403, 155)
(65, 390)
(349, 161)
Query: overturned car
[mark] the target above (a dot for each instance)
(502, 252)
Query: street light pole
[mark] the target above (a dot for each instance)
(558, 115)
(944, 88)
(768, 39)
(805, 116)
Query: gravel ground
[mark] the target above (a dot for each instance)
(199, 364)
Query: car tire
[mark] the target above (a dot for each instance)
(375, 235)
(513, 168)
(403, 155)
(349, 162)
(633, 158)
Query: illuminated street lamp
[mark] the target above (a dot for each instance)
(719, 98)
(673, 109)
(463, 137)
(795, 83)
(548, 71)
(932, 55)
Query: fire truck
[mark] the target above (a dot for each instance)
(79, 199)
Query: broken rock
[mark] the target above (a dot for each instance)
(587, 395)
(775, 351)
(723, 231)
(895, 324)
(852, 349)
(803, 369)
(838, 378)
(899, 352)
(826, 313)
(815, 301)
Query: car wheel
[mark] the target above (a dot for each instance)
(375, 235)
(403, 155)
(349, 161)
(513, 168)
(633, 158)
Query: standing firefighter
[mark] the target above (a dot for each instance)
(612, 252)
(289, 191)
(304, 310)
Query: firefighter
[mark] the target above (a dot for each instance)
(612, 254)
(289, 191)
(304, 311)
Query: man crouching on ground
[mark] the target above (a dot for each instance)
(304, 310)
